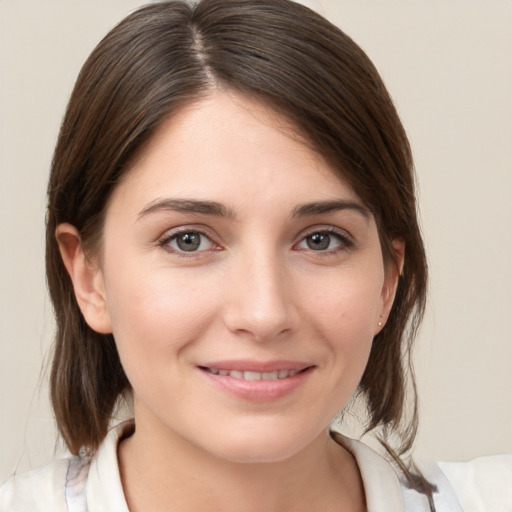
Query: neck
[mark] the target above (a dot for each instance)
(160, 470)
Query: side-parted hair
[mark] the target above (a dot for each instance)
(170, 54)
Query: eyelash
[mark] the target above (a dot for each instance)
(170, 237)
(345, 242)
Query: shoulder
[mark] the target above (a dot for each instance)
(481, 484)
(88, 481)
(41, 489)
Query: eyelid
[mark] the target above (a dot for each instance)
(347, 240)
(170, 234)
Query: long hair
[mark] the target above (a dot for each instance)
(170, 54)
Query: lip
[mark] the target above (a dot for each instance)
(258, 390)
(244, 365)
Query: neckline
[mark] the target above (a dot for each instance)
(381, 484)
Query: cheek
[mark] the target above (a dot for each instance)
(345, 317)
(156, 313)
(348, 307)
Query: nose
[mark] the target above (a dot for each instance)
(261, 304)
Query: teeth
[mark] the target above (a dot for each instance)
(252, 376)
(249, 375)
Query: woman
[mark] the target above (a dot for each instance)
(232, 242)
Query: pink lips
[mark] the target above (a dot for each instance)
(257, 381)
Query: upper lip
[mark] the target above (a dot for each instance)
(257, 366)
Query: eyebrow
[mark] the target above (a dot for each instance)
(322, 207)
(219, 210)
(187, 206)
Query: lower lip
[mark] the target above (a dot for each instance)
(258, 390)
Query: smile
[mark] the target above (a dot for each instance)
(257, 382)
(252, 375)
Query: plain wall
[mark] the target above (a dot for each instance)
(447, 65)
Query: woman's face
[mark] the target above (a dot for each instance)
(243, 281)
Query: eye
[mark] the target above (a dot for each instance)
(325, 241)
(188, 241)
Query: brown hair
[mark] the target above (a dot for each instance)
(169, 54)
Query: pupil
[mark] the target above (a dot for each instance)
(189, 241)
(318, 241)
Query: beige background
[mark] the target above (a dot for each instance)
(448, 65)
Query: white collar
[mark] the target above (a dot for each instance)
(104, 489)
(381, 484)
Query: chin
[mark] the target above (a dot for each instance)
(263, 446)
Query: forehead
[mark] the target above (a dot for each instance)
(228, 147)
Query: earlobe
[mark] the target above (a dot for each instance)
(87, 279)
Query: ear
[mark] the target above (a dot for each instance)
(393, 271)
(87, 279)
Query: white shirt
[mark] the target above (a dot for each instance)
(87, 483)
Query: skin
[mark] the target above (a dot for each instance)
(271, 280)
